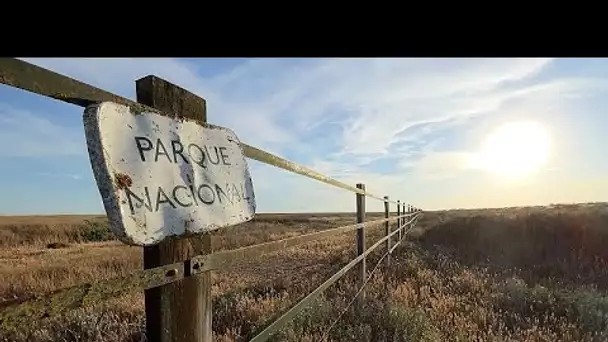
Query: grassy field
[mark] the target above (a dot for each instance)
(513, 274)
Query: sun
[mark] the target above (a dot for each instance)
(516, 149)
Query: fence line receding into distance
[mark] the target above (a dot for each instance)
(29, 77)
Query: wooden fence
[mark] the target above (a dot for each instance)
(176, 277)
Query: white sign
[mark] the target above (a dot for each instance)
(161, 177)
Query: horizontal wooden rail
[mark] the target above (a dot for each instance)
(57, 302)
(77, 296)
(394, 247)
(302, 304)
(23, 75)
(413, 223)
(268, 158)
(32, 78)
(225, 258)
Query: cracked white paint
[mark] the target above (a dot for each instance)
(161, 177)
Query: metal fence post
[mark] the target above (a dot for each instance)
(361, 236)
(180, 311)
(387, 232)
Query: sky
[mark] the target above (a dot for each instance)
(406, 128)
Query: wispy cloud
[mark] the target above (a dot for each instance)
(24, 133)
(385, 122)
(271, 101)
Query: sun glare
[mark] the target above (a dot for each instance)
(516, 149)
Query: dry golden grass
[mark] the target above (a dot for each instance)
(33, 270)
(516, 274)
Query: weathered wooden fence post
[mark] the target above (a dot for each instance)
(361, 237)
(180, 311)
(387, 232)
(399, 220)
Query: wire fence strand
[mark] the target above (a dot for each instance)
(280, 322)
(29, 77)
(350, 303)
(326, 334)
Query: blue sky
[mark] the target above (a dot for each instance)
(404, 127)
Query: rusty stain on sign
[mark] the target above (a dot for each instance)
(123, 181)
(160, 177)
